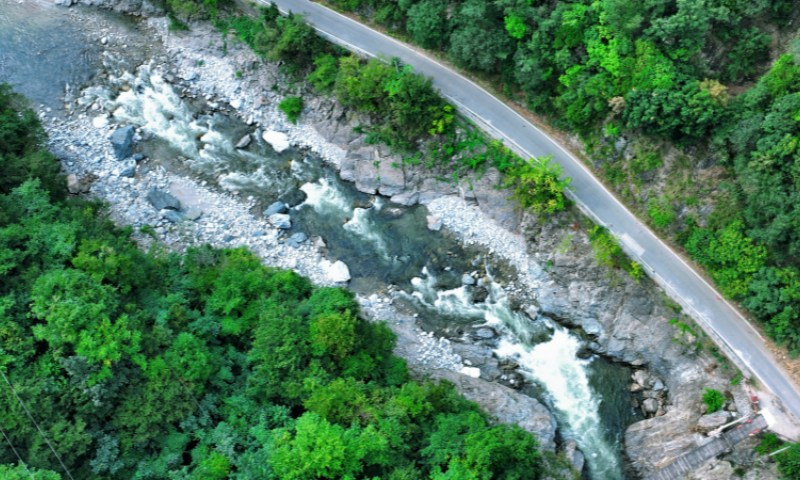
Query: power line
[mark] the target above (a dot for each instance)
(41, 432)
(21, 462)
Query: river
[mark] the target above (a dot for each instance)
(46, 54)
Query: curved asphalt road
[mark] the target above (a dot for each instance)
(726, 326)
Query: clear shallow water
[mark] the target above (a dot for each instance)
(42, 54)
(386, 244)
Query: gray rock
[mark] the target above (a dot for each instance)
(293, 198)
(297, 239)
(193, 214)
(434, 223)
(138, 157)
(63, 3)
(74, 184)
(574, 456)
(480, 294)
(162, 200)
(281, 220)
(277, 207)
(484, 333)
(642, 378)
(122, 141)
(244, 142)
(712, 421)
(467, 279)
(128, 168)
(650, 405)
(172, 216)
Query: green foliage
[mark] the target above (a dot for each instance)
(538, 185)
(713, 399)
(606, 249)
(205, 365)
(22, 153)
(661, 213)
(292, 107)
(323, 77)
(427, 23)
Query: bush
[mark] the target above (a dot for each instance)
(292, 107)
(714, 400)
(661, 213)
(538, 185)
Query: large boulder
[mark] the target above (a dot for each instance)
(336, 271)
(278, 140)
(122, 142)
(712, 421)
(162, 200)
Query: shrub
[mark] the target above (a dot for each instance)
(661, 212)
(538, 185)
(714, 400)
(292, 107)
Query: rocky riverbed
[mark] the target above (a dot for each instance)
(554, 272)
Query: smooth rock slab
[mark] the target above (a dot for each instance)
(162, 200)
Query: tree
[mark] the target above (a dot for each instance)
(477, 40)
(427, 23)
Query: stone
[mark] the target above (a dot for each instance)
(244, 142)
(297, 239)
(193, 214)
(162, 200)
(484, 333)
(122, 141)
(64, 3)
(100, 121)
(280, 220)
(473, 372)
(467, 279)
(480, 294)
(73, 184)
(293, 197)
(172, 216)
(642, 378)
(277, 207)
(714, 470)
(650, 405)
(236, 104)
(138, 157)
(128, 168)
(712, 421)
(336, 271)
(278, 140)
(574, 456)
(434, 223)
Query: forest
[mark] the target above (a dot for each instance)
(121, 363)
(718, 80)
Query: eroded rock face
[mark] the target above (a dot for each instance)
(507, 406)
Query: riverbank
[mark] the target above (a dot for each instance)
(556, 276)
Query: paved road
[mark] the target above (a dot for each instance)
(684, 285)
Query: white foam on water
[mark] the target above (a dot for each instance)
(554, 364)
(361, 225)
(325, 198)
